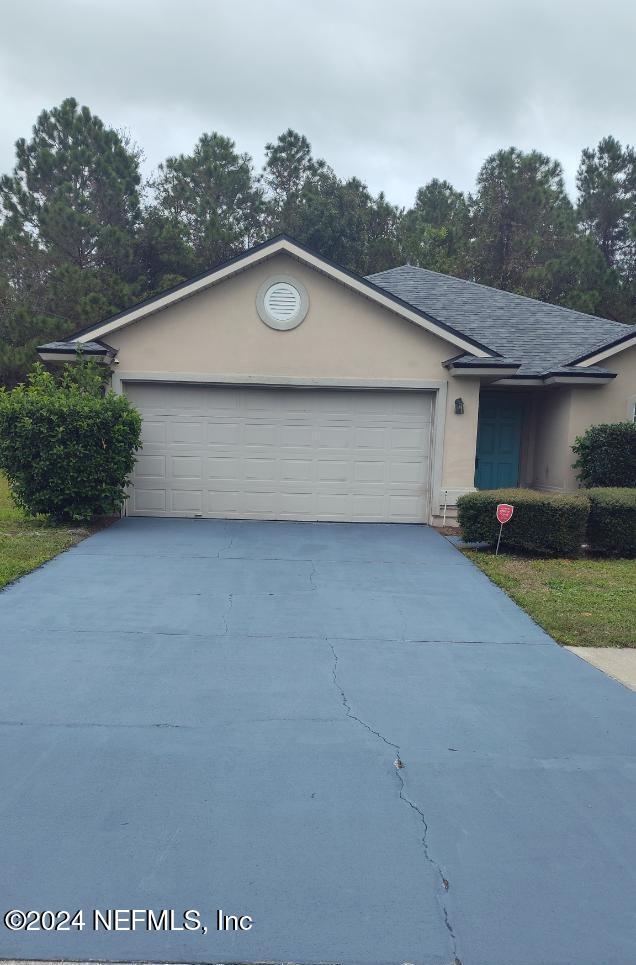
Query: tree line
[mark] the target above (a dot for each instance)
(83, 235)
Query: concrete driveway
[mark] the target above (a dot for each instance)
(205, 715)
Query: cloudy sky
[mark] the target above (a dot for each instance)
(393, 92)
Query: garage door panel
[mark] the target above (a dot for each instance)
(294, 436)
(369, 471)
(186, 433)
(186, 467)
(149, 466)
(333, 437)
(153, 431)
(371, 437)
(405, 473)
(405, 506)
(223, 467)
(223, 433)
(187, 501)
(282, 454)
(222, 503)
(413, 437)
(259, 470)
(149, 500)
(296, 470)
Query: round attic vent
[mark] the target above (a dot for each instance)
(282, 303)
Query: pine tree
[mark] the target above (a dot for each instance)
(606, 181)
(290, 173)
(206, 208)
(523, 223)
(435, 231)
(339, 219)
(67, 240)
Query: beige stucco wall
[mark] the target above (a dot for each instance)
(566, 412)
(345, 336)
(552, 456)
(610, 403)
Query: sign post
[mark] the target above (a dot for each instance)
(504, 515)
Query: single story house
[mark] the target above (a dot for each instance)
(281, 386)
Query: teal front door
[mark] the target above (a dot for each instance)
(498, 441)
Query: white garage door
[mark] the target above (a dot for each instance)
(263, 453)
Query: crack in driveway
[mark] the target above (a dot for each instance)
(226, 614)
(312, 575)
(399, 767)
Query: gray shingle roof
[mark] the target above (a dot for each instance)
(527, 369)
(71, 346)
(538, 336)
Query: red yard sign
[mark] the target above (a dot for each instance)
(504, 513)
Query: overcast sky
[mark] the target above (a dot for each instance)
(393, 92)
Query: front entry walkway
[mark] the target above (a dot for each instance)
(204, 715)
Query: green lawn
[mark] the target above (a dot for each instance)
(27, 543)
(584, 603)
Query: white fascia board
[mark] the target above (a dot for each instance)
(519, 382)
(555, 380)
(72, 357)
(605, 353)
(577, 380)
(478, 370)
(268, 251)
(284, 381)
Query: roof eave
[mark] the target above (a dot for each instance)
(602, 352)
(591, 378)
(72, 351)
(460, 366)
(479, 370)
(565, 378)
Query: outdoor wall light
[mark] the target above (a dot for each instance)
(459, 406)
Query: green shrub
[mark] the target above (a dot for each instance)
(541, 523)
(67, 447)
(607, 455)
(611, 528)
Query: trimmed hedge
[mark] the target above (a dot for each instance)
(541, 523)
(611, 527)
(66, 447)
(607, 455)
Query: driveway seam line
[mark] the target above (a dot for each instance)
(398, 764)
(276, 636)
(268, 559)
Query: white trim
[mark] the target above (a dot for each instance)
(72, 357)
(605, 353)
(517, 382)
(437, 447)
(268, 251)
(576, 380)
(439, 387)
(477, 370)
(557, 380)
(282, 381)
(59, 356)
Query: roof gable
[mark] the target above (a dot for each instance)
(253, 256)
